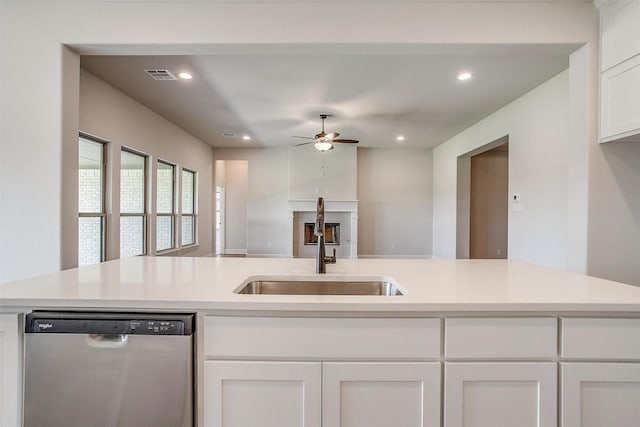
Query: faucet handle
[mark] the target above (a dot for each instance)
(331, 259)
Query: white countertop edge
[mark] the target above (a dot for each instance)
(416, 309)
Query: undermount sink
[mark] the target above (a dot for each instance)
(319, 287)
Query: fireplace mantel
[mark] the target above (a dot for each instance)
(309, 205)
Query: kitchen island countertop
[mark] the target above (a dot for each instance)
(207, 283)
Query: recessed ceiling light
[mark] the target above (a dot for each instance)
(185, 76)
(464, 76)
(246, 137)
(399, 138)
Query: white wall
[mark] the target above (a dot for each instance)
(538, 128)
(107, 113)
(394, 202)
(614, 222)
(39, 116)
(236, 186)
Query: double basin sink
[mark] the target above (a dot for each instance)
(319, 286)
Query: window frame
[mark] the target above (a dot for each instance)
(173, 215)
(145, 213)
(103, 199)
(194, 213)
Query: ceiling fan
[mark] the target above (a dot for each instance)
(324, 141)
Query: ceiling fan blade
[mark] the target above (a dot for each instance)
(347, 141)
(305, 143)
(304, 137)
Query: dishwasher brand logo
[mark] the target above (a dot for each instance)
(44, 326)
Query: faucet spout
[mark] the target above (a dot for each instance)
(321, 259)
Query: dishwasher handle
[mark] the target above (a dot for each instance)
(107, 340)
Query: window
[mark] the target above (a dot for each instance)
(133, 206)
(165, 202)
(188, 207)
(91, 206)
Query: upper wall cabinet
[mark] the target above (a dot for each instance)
(619, 31)
(620, 102)
(620, 70)
(332, 174)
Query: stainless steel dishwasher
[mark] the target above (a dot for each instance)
(108, 369)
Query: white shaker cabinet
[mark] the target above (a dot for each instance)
(599, 385)
(266, 394)
(422, 372)
(620, 70)
(619, 31)
(381, 394)
(334, 372)
(500, 394)
(314, 394)
(620, 101)
(600, 394)
(491, 381)
(9, 372)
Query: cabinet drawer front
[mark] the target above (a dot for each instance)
(512, 338)
(321, 338)
(584, 338)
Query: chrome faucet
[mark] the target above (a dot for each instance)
(321, 259)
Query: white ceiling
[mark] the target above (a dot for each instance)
(374, 94)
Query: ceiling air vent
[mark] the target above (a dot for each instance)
(229, 135)
(161, 74)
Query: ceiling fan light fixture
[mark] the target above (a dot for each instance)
(323, 146)
(330, 136)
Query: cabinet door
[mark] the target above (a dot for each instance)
(620, 103)
(265, 394)
(381, 394)
(620, 31)
(500, 394)
(600, 394)
(9, 369)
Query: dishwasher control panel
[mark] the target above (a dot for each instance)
(70, 323)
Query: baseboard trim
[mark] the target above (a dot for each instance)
(360, 256)
(234, 252)
(257, 255)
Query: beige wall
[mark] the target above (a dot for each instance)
(614, 208)
(107, 113)
(537, 125)
(394, 202)
(236, 186)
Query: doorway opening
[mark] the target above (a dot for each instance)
(483, 202)
(219, 212)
